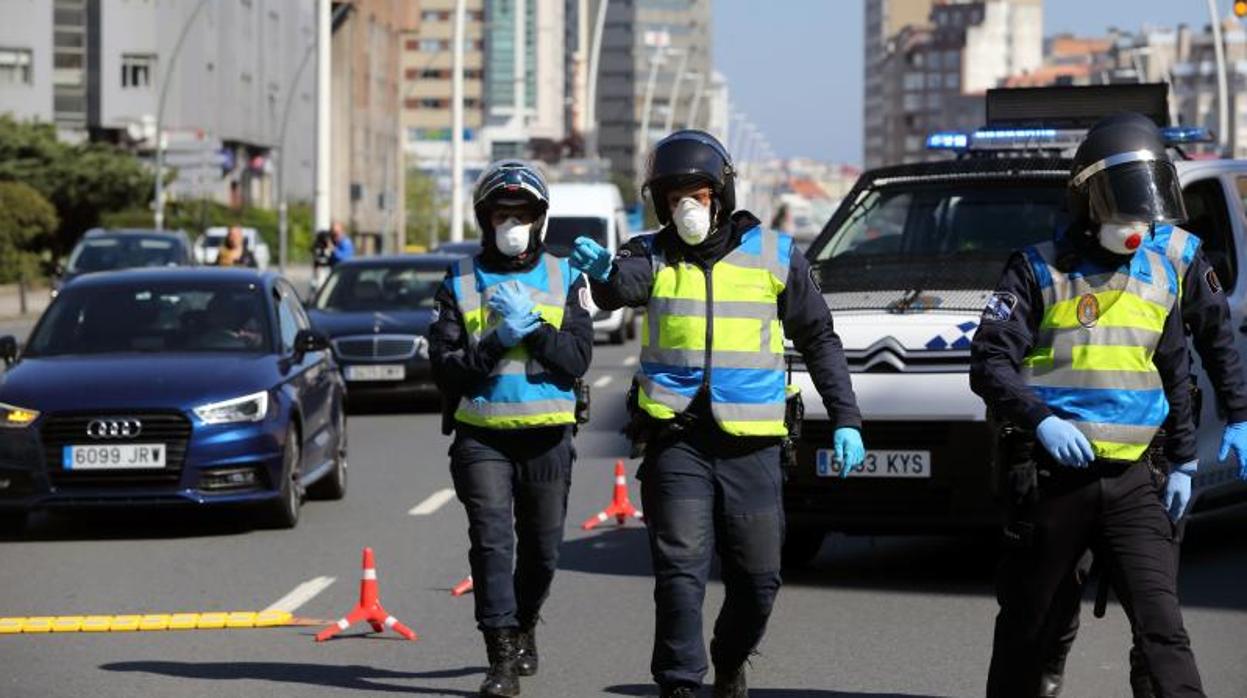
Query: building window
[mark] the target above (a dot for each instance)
(913, 81)
(913, 102)
(952, 81)
(433, 45)
(934, 81)
(15, 66)
(137, 69)
(934, 100)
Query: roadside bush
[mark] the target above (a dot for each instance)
(25, 218)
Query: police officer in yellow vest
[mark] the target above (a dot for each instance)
(720, 294)
(511, 338)
(1081, 352)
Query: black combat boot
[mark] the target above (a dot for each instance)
(526, 650)
(677, 691)
(503, 677)
(730, 683)
(1050, 685)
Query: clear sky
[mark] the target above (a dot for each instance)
(795, 66)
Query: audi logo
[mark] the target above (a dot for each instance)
(114, 428)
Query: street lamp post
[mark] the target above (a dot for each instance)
(1223, 107)
(675, 91)
(695, 107)
(283, 223)
(456, 120)
(591, 96)
(160, 115)
(655, 61)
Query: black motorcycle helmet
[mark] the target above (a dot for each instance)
(511, 183)
(1122, 174)
(686, 158)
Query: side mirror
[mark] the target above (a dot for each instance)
(307, 341)
(8, 349)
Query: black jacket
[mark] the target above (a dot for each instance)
(1000, 345)
(457, 364)
(807, 321)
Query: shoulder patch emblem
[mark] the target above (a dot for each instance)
(1000, 306)
(1214, 284)
(1088, 311)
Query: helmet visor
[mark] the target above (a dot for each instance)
(1136, 191)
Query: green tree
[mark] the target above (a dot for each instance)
(25, 217)
(82, 180)
(194, 216)
(424, 211)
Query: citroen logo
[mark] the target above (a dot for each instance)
(114, 428)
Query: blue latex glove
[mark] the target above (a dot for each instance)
(509, 299)
(1066, 444)
(514, 328)
(591, 258)
(1235, 438)
(1178, 489)
(850, 452)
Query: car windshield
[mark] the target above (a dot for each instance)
(937, 235)
(123, 252)
(562, 231)
(154, 318)
(363, 289)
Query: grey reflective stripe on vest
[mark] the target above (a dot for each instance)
(675, 401)
(748, 412)
(1063, 341)
(694, 308)
(722, 359)
(1117, 433)
(516, 409)
(1178, 239)
(1108, 380)
(469, 298)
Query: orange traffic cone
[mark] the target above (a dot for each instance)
(463, 587)
(620, 507)
(369, 607)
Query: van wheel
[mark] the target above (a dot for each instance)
(801, 546)
(284, 511)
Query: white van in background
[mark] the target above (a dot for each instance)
(208, 245)
(595, 210)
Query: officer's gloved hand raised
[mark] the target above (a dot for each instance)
(516, 309)
(1066, 444)
(850, 451)
(1178, 489)
(591, 258)
(1235, 438)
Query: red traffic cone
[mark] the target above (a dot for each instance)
(620, 507)
(463, 587)
(369, 607)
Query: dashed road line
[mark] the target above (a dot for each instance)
(301, 594)
(434, 502)
(630, 361)
(603, 381)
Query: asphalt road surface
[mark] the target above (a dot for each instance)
(874, 617)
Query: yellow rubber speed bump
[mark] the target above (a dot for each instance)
(270, 619)
(155, 621)
(67, 624)
(211, 621)
(183, 621)
(96, 624)
(40, 624)
(124, 623)
(240, 619)
(8, 626)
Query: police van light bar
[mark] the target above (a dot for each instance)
(947, 140)
(1177, 135)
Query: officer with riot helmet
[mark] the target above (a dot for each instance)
(1081, 356)
(1206, 318)
(511, 340)
(709, 400)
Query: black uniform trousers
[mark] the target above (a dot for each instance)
(514, 485)
(1111, 507)
(705, 491)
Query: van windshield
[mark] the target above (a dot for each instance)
(951, 236)
(562, 231)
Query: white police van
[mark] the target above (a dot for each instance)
(907, 263)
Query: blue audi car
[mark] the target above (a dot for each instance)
(172, 387)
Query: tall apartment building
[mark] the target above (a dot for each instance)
(426, 85)
(525, 76)
(884, 21)
(932, 75)
(639, 34)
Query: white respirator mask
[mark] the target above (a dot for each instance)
(692, 221)
(512, 237)
(1123, 238)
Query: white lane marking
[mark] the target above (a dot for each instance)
(603, 381)
(630, 361)
(433, 503)
(301, 594)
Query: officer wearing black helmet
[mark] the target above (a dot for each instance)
(709, 399)
(1206, 318)
(511, 339)
(1081, 356)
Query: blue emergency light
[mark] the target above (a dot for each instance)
(947, 140)
(1176, 135)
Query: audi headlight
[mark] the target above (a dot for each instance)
(248, 408)
(15, 417)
